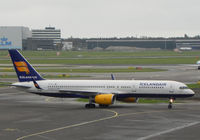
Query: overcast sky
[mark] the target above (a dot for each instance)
(105, 18)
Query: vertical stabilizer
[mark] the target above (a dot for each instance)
(25, 72)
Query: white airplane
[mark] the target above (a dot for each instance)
(102, 92)
(198, 64)
(194, 65)
(185, 48)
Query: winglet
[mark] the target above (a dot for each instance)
(36, 84)
(112, 77)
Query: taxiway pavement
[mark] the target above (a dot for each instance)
(26, 116)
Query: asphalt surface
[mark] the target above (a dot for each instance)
(32, 117)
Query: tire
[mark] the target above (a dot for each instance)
(169, 106)
(90, 106)
(93, 106)
(87, 106)
(103, 106)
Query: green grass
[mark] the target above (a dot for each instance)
(106, 57)
(82, 100)
(152, 101)
(193, 86)
(111, 61)
(100, 70)
(8, 76)
(4, 84)
(89, 54)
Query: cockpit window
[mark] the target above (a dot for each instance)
(183, 87)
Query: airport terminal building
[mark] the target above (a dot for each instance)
(49, 38)
(49, 33)
(22, 38)
(12, 37)
(44, 39)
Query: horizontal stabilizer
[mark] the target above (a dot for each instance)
(20, 86)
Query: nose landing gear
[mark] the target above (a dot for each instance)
(171, 100)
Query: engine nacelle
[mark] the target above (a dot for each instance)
(104, 99)
(129, 100)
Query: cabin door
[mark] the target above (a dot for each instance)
(133, 88)
(171, 90)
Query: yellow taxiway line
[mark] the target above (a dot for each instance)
(70, 126)
(116, 114)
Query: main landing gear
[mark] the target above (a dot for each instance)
(90, 105)
(171, 100)
(103, 106)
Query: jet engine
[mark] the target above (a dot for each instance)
(104, 99)
(129, 100)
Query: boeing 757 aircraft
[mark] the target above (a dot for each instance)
(102, 92)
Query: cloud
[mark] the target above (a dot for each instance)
(105, 18)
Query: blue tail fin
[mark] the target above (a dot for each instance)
(25, 72)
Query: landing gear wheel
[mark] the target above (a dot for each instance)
(171, 100)
(93, 106)
(170, 106)
(103, 106)
(90, 106)
(87, 106)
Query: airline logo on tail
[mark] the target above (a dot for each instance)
(22, 67)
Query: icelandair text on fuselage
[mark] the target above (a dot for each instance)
(153, 84)
(27, 77)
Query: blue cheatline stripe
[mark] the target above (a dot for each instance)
(118, 96)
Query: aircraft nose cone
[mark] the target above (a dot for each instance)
(191, 92)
